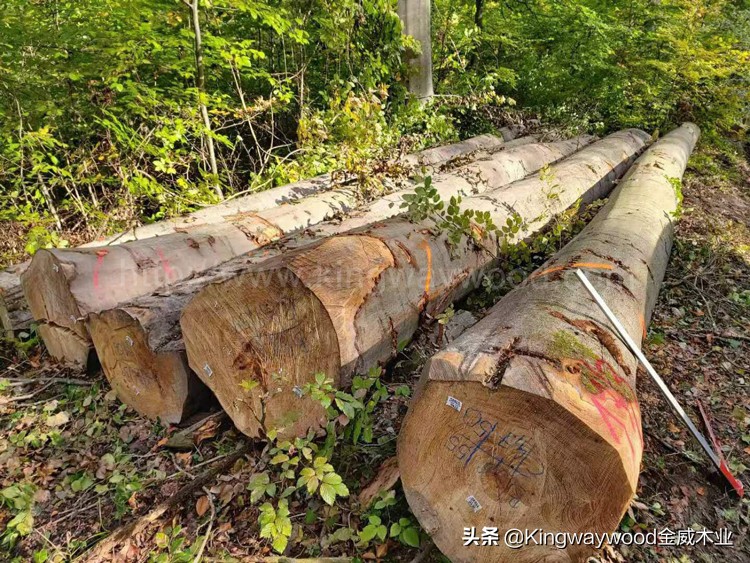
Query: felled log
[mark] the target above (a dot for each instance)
(534, 421)
(140, 343)
(62, 286)
(349, 302)
(15, 315)
(275, 197)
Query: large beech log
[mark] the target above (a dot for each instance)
(534, 421)
(140, 343)
(347, 303)
(63, 286)
(14, 311)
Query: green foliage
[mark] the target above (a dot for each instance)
(101, 104)
(456, 223)
(101, 101)
(406, 532)
(604, 65)
(275, 524)
(322, 477)
(19, 499)
(174, 546)
(374, 529)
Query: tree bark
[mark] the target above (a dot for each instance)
(14, 313)
(200, 86)
(416, 19)
(349, 302)
(63, 286)
(534, 421)
(140, 343)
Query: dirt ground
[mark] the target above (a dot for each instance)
(76, 465)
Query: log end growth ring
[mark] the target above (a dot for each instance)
(158, 386)
(47, 291)
(506, 458)
(256, 340)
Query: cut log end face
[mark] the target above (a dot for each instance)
(509, 459)
(158, 386)
(257, 359)
(51, 303)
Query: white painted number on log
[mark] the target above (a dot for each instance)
(454, 403)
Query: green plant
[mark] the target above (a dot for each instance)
(173, 543)
(275, 524)
(456, 223)
(19, 499)
(374, 529)
(321, 476)
(405, 531)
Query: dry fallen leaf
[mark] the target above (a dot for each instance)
(206, 431)
(57, 419)
(381, 550)
(202, 506)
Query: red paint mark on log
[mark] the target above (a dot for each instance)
(603, 374)
(100, 254)
(165, 264)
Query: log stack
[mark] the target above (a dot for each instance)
(62, 286)
(140, 343)
(349, 302)
(534, 421)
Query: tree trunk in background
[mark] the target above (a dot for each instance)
(200, 85)
(533, 418)
(416, 19)
(63, 286)
(140, 343)
(350, 302)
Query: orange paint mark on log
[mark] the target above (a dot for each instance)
(428, 280)
(589, 265)
(643, 325)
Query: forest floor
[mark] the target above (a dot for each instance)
(76, 465)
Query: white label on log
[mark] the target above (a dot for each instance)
(297, 390)
(454, 403)
(129, 340)
(473, 503)
(207, 370)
